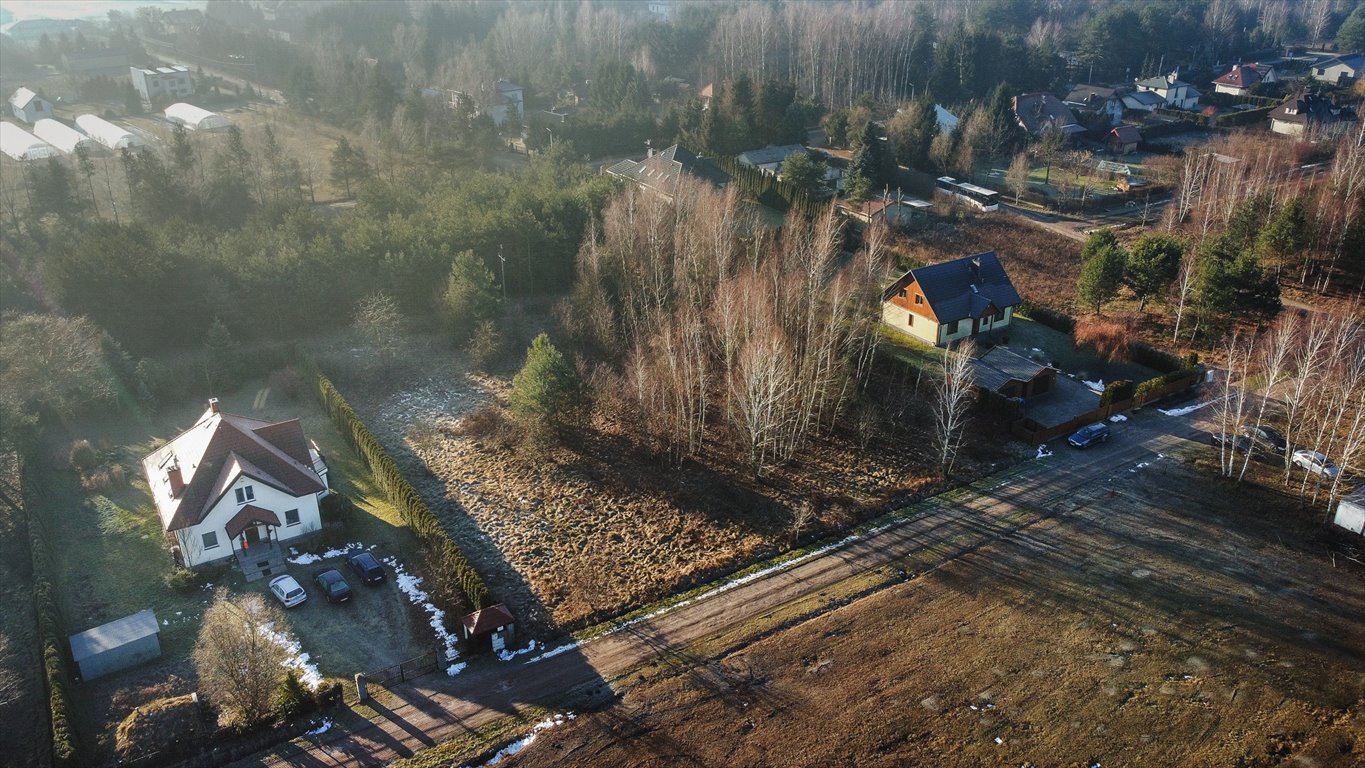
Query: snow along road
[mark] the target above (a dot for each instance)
(436, 708)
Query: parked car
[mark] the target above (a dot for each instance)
(288, 590)
(366, 567)
(1265, 437)
(1236, 443)
(1089, 435)
(333, 585)
(1317, 463)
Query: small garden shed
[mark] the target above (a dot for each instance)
(495, 621)
(1351, 512)
(117, 645)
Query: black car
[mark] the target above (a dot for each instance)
(366, 567)
(1089, 435)
(1236, 443)
(1265, 437)
(333, 585)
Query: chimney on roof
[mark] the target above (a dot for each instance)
(649, 148)
(213, 405)
(176, 480)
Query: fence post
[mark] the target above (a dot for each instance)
(361, 689)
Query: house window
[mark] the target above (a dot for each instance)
(919, 299)
(291, 517)
(951, 328)
(902, 293)
(909, 318)
(245, 493)
(211, 540)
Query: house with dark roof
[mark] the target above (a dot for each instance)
(1311, 111)
(1123, 139)
(1096, 100)
(234, 486)
(953, 300)
(1037, 112)
(1142, 101)
(1013, 375)
(1239, 80)
(1340, 70)
(1177, 93)
(660, 171)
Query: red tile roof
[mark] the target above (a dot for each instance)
(1240, 76)
(217, 450)
(487, 620)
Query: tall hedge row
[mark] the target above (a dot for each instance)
(444, 557)
(65, 751)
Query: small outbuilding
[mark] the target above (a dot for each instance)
(495, 621)
(22, 145)
(29, 106)
(195, 118)
(1013, 375)
(116, 646)
(1351, 512)
(1123, 140)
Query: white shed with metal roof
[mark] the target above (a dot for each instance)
(22, 145)
(117, 645)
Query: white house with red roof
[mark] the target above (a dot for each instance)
(234, 486)
(1239, 80)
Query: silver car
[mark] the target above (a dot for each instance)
(289, 591)
(1317, 463)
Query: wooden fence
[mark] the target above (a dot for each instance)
(407, 670)
(1033, 433)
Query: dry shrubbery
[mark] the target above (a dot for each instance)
(1110, 339)
(164, 725)
(1043, 266)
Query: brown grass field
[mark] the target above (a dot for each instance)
(1177, 621)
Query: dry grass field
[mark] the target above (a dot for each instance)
(1171, 622)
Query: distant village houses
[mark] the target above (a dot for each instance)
(1239, 80)
(1096, 100)
(1177, 93)
(1311, 112)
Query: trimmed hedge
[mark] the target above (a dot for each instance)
(1043, 315)
(444, 558)
(56, 674)
(1117, 392)
(1158, 360)
(1146, 388)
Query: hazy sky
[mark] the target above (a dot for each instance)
(83, 9)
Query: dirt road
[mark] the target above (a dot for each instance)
(945, 528)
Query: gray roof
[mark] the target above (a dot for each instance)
(662, 170)
(769, 154)
(961, 288)
(999, 366)
(93, 642)
(1146, 97)
(1036, 111)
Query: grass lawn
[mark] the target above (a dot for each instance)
(109, 548)
(1025, 336)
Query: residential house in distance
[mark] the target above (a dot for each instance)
(169, 82)
(1096, 100)
(1340, 70)
(897, 211)
(770, 159)
(947, 121)
(1239, 80)
(1123, 139)
(1177, 93)
(1311, 111)
(660, 171)
(29, 106)
(1142, 101)
(232, 486)
(661, 10)
(506, 97)
(1037, 112)
(946, 302)
(96, 61)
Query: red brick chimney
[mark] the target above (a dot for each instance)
(213, 405)
(176, 480)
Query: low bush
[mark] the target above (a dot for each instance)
(486, 346)
(291, 698)
(166, 727)
(82, 456)
(488, 420)
(336, 507)
(1117, 392)
(288, 382)
(1043, 315)
(183, 580)
(1158, 360)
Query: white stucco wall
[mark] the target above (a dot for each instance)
(964, 328)
(896, 317)
(276, 501)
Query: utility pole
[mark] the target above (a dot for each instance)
(504, 273)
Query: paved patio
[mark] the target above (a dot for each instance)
(1068, 399)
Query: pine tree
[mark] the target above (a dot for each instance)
(471, 295)
(1152, 265)
(546, 395)
(1100, 278)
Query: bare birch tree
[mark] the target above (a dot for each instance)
(953, 403)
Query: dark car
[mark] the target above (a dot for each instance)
(333, 585)
(1089, 435)
(1265, 437)
(366, 567)
(1236, 443)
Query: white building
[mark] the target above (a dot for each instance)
(1351, 512)
(107, 133)
(22, 145)
(236, 486)
(61, 135)
(29, 106)
(174, 82)
(1342, 69)
(1177, 93)
(195, 118)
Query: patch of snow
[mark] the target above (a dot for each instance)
(411, 586)
(999, 740)
(1097, 386)
(527, 740)
(455, 669)
(553, 652)
(321, 729)
(1118, 417)
(308, 558)
(1043, 452)
(506, 655)
(295, 658)
(165, 623)
(1184, 411)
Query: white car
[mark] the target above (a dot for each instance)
(1316, 463)
(289, 591)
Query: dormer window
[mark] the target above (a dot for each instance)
(919, 299)
(245, 493)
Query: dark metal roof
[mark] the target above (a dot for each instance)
(661, 171)
(999, 366)
(119, 632)
(961, 288)
(487, 619)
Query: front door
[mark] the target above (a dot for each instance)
(976, 325)
(253, 536)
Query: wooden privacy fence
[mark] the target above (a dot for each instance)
(1033, 433)
(406, 670)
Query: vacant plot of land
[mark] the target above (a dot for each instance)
(1173, 620)
(107, 545)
